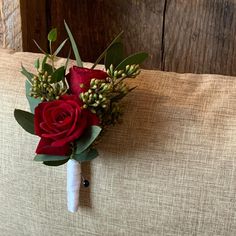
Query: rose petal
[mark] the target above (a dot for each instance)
(45, 128)
(78, 76)
(55, 136)
(78, 132)
(45, 147)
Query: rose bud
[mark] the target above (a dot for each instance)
(79, 78)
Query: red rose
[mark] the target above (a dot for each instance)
(59, 123)
(78, 76)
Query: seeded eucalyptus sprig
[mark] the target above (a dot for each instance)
(130, 71)
(97, 97)
(49, 82)
(45, 90)
(52, 37)
(103, 96)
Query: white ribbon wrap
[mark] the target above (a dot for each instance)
(73, 184)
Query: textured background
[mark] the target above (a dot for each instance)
(196, 36)
(169, 169)
(10, 25)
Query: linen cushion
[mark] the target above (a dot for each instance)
(168, 169)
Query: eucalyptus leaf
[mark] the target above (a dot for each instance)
(52, 35)
(44, 62)
(44, 157)
(74, 46)
(105, 51)
(58, 75)
(36, 63)
(86, 155)
(60, 47)
(136, 58)
(25, 120)
(87, 138)
(39, 47)
(48, 68)
(33, 102)
(67, 60)
(27, 74)
(114, 55)
(55, 163)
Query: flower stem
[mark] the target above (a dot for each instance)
(51, 55)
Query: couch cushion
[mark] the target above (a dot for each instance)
(168, 169)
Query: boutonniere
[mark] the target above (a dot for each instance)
(70, 111)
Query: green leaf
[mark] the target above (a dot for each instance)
(48, 68)
(60, 47)
(55, 163)
(114, 55)
(44, 62)
(58, 75)
(25, 120)
(87, 155)
(27, 74)
(74, 46)
(33, 102)
(87, 138)
(67, 60)
(104, 52)
(44, 157)
(52, 35)
(136, 58)
(39, 47)
(36, 64)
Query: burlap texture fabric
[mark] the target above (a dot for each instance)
(168, 169)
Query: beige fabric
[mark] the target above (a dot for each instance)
(169, 169)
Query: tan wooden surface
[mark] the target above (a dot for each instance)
(180, 35)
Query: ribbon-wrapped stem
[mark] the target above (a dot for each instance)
(73, 184)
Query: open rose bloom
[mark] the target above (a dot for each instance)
(60, 122)
(70, 108)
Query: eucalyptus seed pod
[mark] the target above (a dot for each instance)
(120, 72)
(131, 69)
(90, 97)
(137, 73)
(115, 73)
(95, 96)
(94, 87)
(92, 82)
(136, 66)
(111, 68)
(127, 67)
